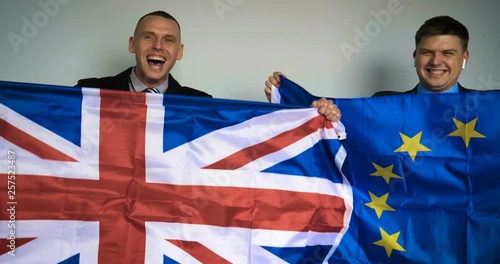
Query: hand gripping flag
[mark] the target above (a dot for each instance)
(425, 176)
(99, 176)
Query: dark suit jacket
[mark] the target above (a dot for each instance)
(120, 82)
(461, 89)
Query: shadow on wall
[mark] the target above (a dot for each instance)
(115, 62)
(379, 78)
(388, 76)
(119, 60)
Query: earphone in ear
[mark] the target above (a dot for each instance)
(463, 65)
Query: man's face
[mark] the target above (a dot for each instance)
(157, 46)
(438, 61)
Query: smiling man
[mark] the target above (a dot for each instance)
(157, 46)
(440, 56)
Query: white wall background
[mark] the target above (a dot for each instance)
(231, 52)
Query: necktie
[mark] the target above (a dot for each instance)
(151, 90)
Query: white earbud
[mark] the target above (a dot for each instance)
(463, 65)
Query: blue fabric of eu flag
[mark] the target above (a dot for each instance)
(425, 172)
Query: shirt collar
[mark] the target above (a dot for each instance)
(422, 90)
(135, 85)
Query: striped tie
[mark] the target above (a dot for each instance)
(151, 90)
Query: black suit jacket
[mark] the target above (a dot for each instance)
(120, 82)
(461, 89)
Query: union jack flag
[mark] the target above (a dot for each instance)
(116, 177)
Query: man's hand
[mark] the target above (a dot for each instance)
(325, 107)
(328, 109)
(272, 80)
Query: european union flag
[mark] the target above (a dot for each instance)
(425, 173)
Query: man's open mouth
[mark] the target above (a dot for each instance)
(155, 60)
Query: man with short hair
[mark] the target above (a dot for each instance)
(440, 56)
(157, 46)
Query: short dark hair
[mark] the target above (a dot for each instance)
(443, 25)
(161, 14)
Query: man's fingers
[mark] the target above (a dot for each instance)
(267, 90)
(278, 73)
(327, 108)
(274, 80)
